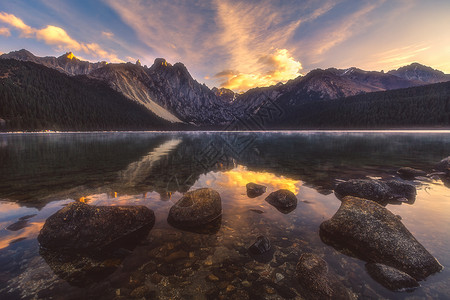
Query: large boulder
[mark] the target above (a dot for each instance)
(391, 278)
(196, 208)
(255, 190)
(382, 192)
(444, 166)
(79, 226)
(283, 200)
(374, 234)
(316, 281)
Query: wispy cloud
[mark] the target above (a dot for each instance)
(401, 56)
(107, 34)
(12, 20)
(5, 31)
(222, 35)
(335, 33)
(56, 36)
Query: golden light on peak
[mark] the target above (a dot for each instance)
(70, 55)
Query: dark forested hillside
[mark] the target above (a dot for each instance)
(425, 106)
(34, 97)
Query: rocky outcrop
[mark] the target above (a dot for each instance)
(196, 208)
(391, 278)
(374, 234)
(255, 190)
(316, 281)
(382, 192)
(410, 173)
(83, 227)
(283, 200)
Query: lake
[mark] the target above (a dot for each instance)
(41, 173)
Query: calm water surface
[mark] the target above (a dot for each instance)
(40, 173)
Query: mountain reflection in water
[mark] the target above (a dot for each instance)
(41, 173)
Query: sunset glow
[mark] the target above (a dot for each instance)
(235, 44)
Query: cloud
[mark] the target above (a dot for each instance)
(56, 36)
(211, 36)
(5, 31)
(109, 35)
(12, 20)
(277, 67)
(329, 36)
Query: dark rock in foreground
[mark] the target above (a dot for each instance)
(80, 226)
(283, 200)
(261, 250)
(316, 281)
(382, 192)
(262, 245)
(255, 190)
(390, 277)
(444, 166)
(196, 208)
(410, 173)
(374, 234)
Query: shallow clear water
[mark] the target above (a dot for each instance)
(40, 173)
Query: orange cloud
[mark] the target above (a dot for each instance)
(56, 36)
(272, 69)
(12, 20)
(5, 31)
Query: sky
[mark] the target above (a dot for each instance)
(235, 44)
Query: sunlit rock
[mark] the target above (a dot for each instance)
(316, 281)
(374, 234)
(255, 190)
(379, 191)
(80, 226)
(283, 200)
(391, 278)
(196, 208)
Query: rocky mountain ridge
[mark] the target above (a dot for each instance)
(170, 92)
(66, 63)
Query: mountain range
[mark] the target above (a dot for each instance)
(171, 96)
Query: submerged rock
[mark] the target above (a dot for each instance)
(255, 190)
(410, 173)
(261, 250)
(374, 234)
(444, 166)
(262, 245)
(80, 226)
(283, 200)
(390, 277)
(196, 208)
(316, 281)
(382, 192)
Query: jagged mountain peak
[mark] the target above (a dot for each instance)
(419, 72)
(160, 62)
